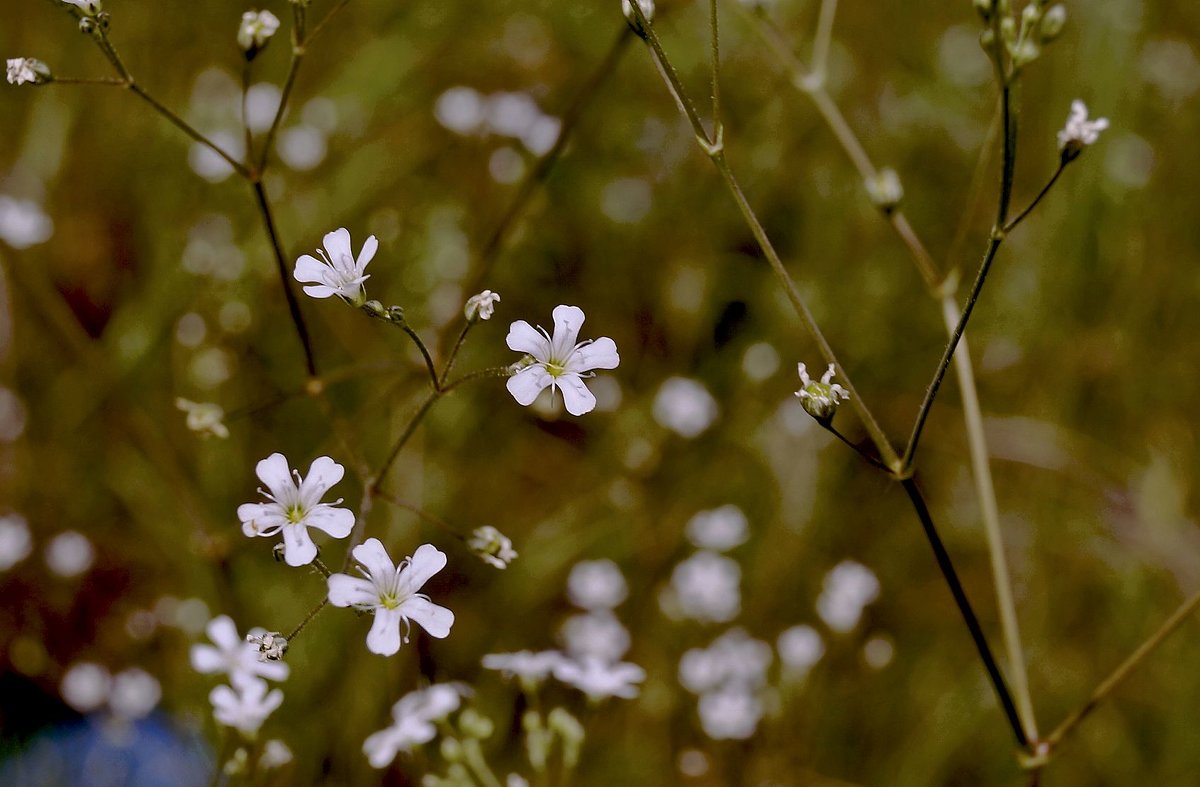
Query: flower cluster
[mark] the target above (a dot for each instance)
(246, 702)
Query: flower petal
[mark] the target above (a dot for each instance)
(310, 269)
(366, 255)
(348, 591)
(384, 636)
(600, 354)
(425, 562)
(222, 631)
(319, 291)
(337, 245)
(567, 322)
(526, 384)
(261, 519)
(576, 396)
(381, 747)
(322, 474)
(435, 619)
(275, 473)
(337, 522)
(206, 658)
(524, 338)
(375, 559)
(298, 547)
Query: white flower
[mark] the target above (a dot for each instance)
(526, 665)
(338, 272)
(15, 541)
(600, 679)
(597, 634)
(134, 694)
(596, 585)
(85, 686)
(23, 223)
(558, 362)
(204, 417)
(69, 554)
(245, 706)
(275, 754)
(27, 71)
(820, 399)
(800, 647)
(492, 546)
(481, 306)
(846, 591)
(255, 31)
(296, 506)
(719, 529)
(233, 655)
(733, 659)
(413, 716)
(1079, 132)
(391, 593)
(685, 407)
(704, 587)
(730, 713)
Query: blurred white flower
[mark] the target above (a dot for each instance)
(15, 541)
(526, 665)
(204, 417)
(134, 694)
(481, 306)
(338, 272)
(719, 529)
(413, 721)
(275, 754)
(256, 30)
(599, 679)
(559, 362)
(232, 655)
(460, 109)
(1079, 132)
(596, 585)
(685, 407)
(23, 223)
(492, 546)
(733, 659)
(847, 590)
(69, 554)
(246, 705)
(705, 587)
(296, 506)
(800, 647)
(85, 686)
(597, 634)
(730, 713)
(511, 114)
(390, 592)
(27, 71)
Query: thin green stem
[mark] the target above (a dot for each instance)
(433, 375)
(110, 81)
(413, 423)
(482, 374)
(1008, 120)
(473, 754)
(965, 609)
(820, 54)
(857, 448)
(312, 613)
(458, 343)
(264, 208)
(716, 67)
(985, 491)
(1118, 676)
(249, 138)
(186, 128)
(319, 27)
(1029, 208)
(285, 95)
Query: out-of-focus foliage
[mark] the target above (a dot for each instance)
(157, 283)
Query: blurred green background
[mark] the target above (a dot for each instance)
(157, 283)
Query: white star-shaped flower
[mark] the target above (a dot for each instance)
(246, 705)
(600, 679)
(233, 655)
(391, 593)
(338, 272)
(296, 506)
(559, 361)
(1079, 132)
(413, 717)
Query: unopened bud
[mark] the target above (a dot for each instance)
(481, 306)
(1052, 23)
(885, 190)
(820, 398)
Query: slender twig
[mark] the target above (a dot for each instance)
(246, 111)
(820, 53)
(1045, 189)
(482, 374)
(111, 81)
(1109, 684)
(264, 207)
(440, 384)
(289, 82)
(857, 448)
(716, 66)
(312, 613)
(429, 366)
(319, 27)
(186, 128)
(413, 423)
(964, 607)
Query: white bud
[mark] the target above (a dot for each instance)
(481, 306)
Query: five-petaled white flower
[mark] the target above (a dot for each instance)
(820, 399)
(233, 655)
(338, 272)
(481, 306)
(1079, 132)
(558, 361)
(256, 30)
(413, 716)
(492, 546)
(600, 679)
(27, 70)
(391, 593)
(245, 706)
(296, 506)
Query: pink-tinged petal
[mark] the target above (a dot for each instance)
(261, 519)
(337, 522)
(375, 560)
(222, 631)
(298, 547)
(337, 245)
(319, 291)
(576, 396)
(310, 269)
(367, 254)
(434, 619)
(600, 354)
(425, 562)
(384, 636)
(322, 474)
(567, 322)
(275, 473)
(348, 591)
(206, 658)
(526, 384)
(524, 338)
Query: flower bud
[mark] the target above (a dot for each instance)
(375, 309)
(475, 725)
(885, 190)
(569, 731)
(255, 31)
(1052, 23)
(204, 417)
(481, 306)
(492, 547)
(820, 399)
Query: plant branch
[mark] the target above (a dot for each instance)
(1029, 208)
